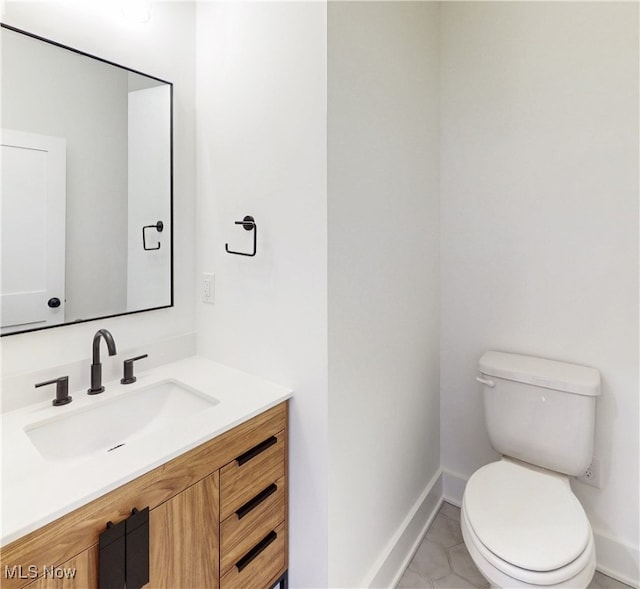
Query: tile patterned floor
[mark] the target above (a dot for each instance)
(443, 562)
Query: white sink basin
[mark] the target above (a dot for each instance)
(110, 424)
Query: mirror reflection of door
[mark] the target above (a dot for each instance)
(32, 221)
(117, 125)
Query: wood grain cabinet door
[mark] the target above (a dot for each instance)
(184, 539)
(80, 572)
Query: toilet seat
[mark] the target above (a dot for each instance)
(503, 574)
(504, 498)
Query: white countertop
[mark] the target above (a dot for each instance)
(36, 491)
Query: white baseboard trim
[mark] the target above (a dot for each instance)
(453, 486)
(397, 554)
(613, 558)
(617, 559)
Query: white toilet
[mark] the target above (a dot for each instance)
(521, 523)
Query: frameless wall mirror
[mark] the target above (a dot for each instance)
(86, 187)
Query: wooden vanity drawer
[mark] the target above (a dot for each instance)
(244, 529)
(251, 472)
(261, 567)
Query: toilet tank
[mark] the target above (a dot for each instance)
(540, 411)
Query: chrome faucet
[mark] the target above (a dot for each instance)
(96, 366)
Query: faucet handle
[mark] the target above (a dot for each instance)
(62, 390)
(128, 377)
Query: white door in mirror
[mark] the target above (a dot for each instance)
(33, 230)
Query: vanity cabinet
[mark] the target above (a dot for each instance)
(85, 566)
(218, 519)
(181, 541)
(252, 515)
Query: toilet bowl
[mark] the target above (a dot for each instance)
(520, 520)
(524, 527)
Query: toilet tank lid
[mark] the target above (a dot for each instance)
(541, 372)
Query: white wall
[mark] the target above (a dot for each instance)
(539, 239)
(163, 47)
(261, 147)
(149, 179)
(383, 278)
(540, 223)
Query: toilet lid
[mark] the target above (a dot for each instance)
(525, 517)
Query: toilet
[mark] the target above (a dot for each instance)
(520, 520)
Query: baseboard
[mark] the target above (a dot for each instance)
(453, 486)
(397, 554)
(613, 558)
(617, 559)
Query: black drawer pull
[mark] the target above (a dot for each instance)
(112, 553)
(255, 551)
(259, 498)
(261, 447)
(137, 549)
